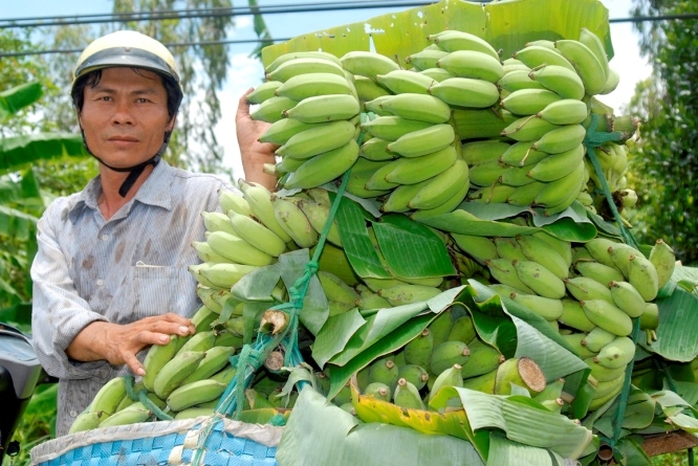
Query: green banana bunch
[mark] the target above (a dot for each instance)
(324, 167)
(108, 397)
(293, 221)
(259, 199)
(664, 260)
(132, 414)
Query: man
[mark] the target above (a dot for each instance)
(110, 275)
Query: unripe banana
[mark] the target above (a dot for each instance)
(599, 272)
(489, 150)
(294, 222)
(516, 177)
(627, 298)
(233, 200)
(573, 316)
(318, 214)
(442, 187)
(272, 109)
(175, 371)
(608, 387)
(369, 64)
(599, 250)
(547, 308)
(608, 316)
(472, 64)
(597, 338)
(336, 289)
(497, 193)
(86, 420)
(312, 84)
(109, 396)
(323, 108)
(321, 137)
(486, 173)
(324, 167)
(203, 319)
(529, 101)
(580, 349)
(236, 249)
(527, 128)
(156, 358)
(649, 320)
(378, 390)
(512, 64)
(621, 254)
(263, 92)
(407, 395)
(522, 154)
(664, 260)
(562, 189)
(215, 359)
(437, 74)
(417, 106)
(368, 89)
(518, 79)
(594, 43)
(539, 279)
(424, 141)
(565, 112)
(534, 56)
(217, 221)
(483, 359)
(303, 65)
(452, 39)
(206, 254)
(584, 289)
(587, 65)
(480, 248)
(425, 58)
(448, 353)
(450, 377)
(280, 131)
(538, 250)
(193, 393)
(375, 149)
(555, 166)
(257, 234)
(560, 139)
(643, 277)
(391, 127)
(416, 375)
(465, 92)
(418, 350)
(259, 199)
(612, 81)
(559, 79)
(510, 249)
(504, 272)
(616, 354)
(410, 171)
(405, 81)
(288, 56)
(132, 414)
(407, 293)
(383, 370)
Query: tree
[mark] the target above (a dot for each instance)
(665, 161)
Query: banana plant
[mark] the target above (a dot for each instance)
(21, 200)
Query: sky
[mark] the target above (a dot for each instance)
(246, 72)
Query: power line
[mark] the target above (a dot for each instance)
(204, 13)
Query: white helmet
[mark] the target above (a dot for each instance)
(134, 50)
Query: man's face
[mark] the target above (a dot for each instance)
(125, 117)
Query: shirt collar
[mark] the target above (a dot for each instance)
(155, 191)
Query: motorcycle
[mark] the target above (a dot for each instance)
(20, 373)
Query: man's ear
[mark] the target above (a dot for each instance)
(171, 124)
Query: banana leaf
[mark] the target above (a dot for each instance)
(319, 432)
(507, 25)
(464, 222)
(13, 100)
(678, 327)
(16, 151)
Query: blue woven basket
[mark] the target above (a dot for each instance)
(222, 442)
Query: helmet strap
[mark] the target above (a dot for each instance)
(134, 171)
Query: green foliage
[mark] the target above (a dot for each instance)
(665, 162)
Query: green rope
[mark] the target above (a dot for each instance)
(142, 396)
(594, 139)
(619, 415)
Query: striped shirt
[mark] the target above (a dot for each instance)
(132, 266)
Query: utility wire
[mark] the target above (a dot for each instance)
(204, 13)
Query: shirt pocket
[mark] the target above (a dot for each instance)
(150, 290)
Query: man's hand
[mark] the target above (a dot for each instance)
(119, 344)
(254, 154)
